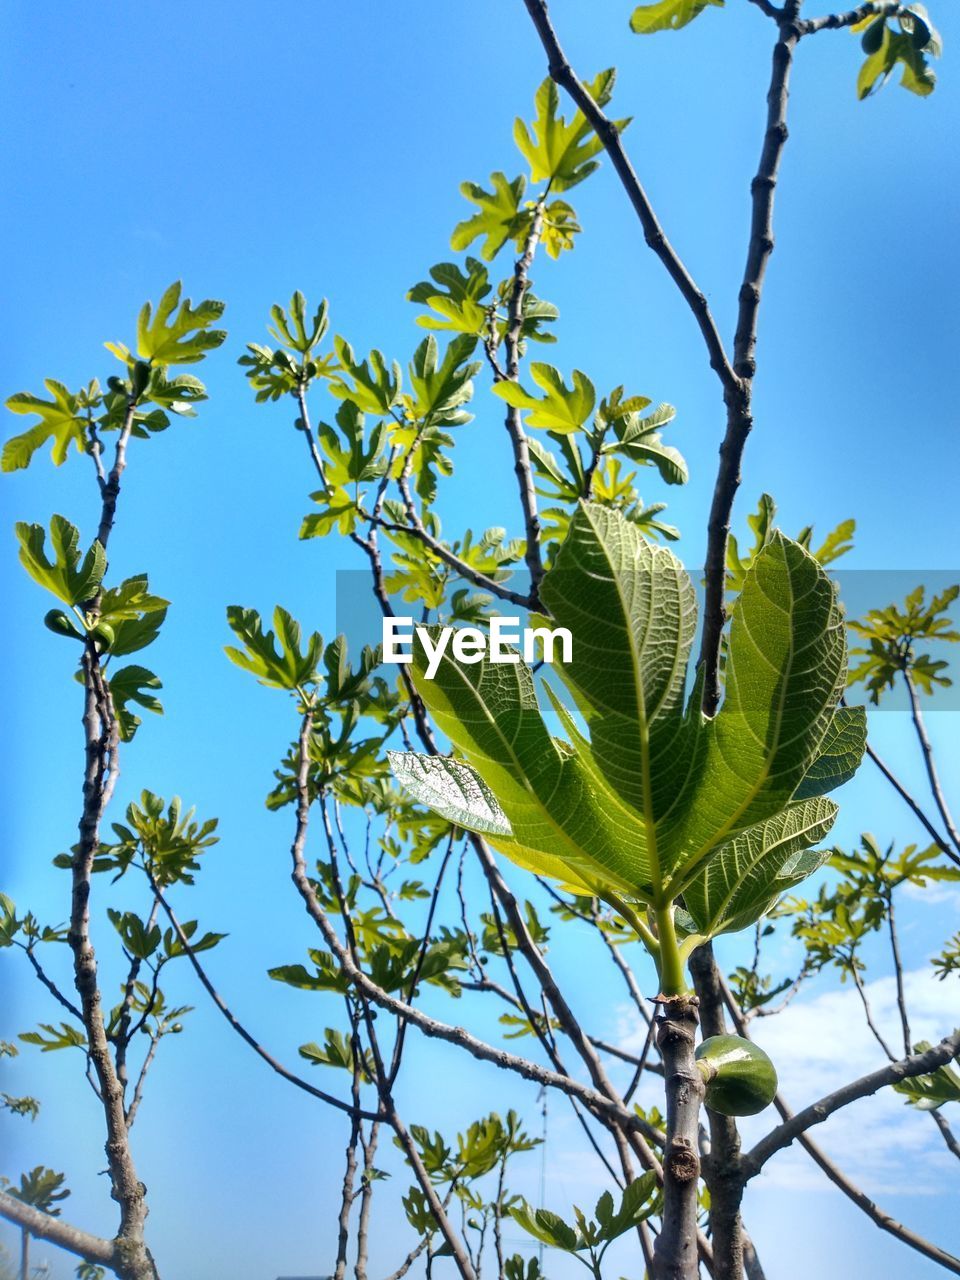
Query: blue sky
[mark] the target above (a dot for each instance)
(321, 147)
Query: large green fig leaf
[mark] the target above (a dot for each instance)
(646, 798)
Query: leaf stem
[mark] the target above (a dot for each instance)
(673, 981)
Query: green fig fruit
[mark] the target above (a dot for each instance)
(61, 624)
(104, 635)
(740, 1079)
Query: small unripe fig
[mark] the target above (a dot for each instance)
(740, 1079)
(61, 625)
(104, 635)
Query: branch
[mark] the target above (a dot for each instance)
(111, 490)
(916, 1064)
(898, 972)
(868, 1012)
(558, 1003)
(739, 415)
(839, 1179)
(346, 957)
(834, 21)
(349, 1173)
(100, 772)
(137, 1098)
(51, 986)
(722, 1170)
(929, 763)
(873, 1211)
(457, 1035)
(514, 423)
(417, 529)
(769, 9)
(762, 191)
(416, 1251)
(953, 1146)
(235, 1023)
(418, 966)
(939, 840)
(80, 1243)
(366, 1199)
(307, 429)
(676, 1253)
(563, 74)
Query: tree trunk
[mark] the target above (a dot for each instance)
(722, 1172)
(676, 1255)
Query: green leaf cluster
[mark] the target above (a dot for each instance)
(287, 369)
(893, 634)
(592, 1237)
(762, 524)
(910, 45)
(41, 1188)
(559, 152)
(177, 333)
(167, 840)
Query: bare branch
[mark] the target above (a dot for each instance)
(840, 1180)
(949, 1137)
(878, 1216)
(369, 1146)
(938, 839)
(45, 1227)
(769, 9)
(147, 1063)
(916, 1064)
(868, 1012)
(739, 415)
(929, 762)
(51, 986)
(564, 75)
(237, 1025)
(834, 21)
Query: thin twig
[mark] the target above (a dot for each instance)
(563, 74)
(938, 839)
(868, 1012)
(915, 1064)
(835, 21)
(929, 762)
(235, 1022)
(514, 424)
(51, 986)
